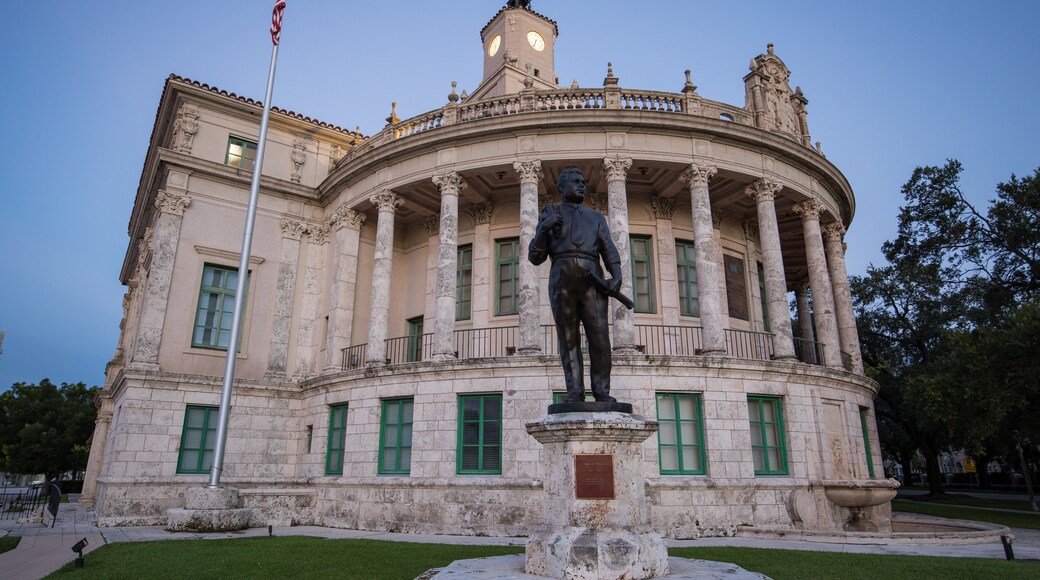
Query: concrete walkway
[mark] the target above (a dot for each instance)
(44, 549)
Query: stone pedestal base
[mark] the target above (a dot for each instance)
(589, 553)
(209, 509)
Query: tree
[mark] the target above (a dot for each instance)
(44, 428)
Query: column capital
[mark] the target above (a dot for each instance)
(764, 189)
(171, 203)
(450, 182)
(481, 212)
(343, 216)
(750, 229)
(387, 200)
(319, 234)
(528, 171)
(617, 168)
(801, 286)
(293, 230)
(698, 175)
(809, 209)
(717, 218)
(432, 223)
(833, 232)
(598, 202)
(663, 207)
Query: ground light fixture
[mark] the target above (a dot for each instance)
(78, 548)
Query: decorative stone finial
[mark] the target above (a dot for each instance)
(393, 118)
(769, 48)
(574, 84)
(611, 80)
(463, 96)
(453, 97)
(529, 77)
(689, 87)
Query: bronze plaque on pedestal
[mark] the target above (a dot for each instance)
(594, 476)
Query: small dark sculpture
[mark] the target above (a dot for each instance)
(519, 4)
(576, 238)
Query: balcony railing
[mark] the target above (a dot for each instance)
(655, 340)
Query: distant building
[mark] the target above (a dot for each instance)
(396, 339)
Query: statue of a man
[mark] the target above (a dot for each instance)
(577, 238)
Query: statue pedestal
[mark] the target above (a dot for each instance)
(209, 509)
(597, 523)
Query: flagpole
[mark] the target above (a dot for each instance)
(243, 267)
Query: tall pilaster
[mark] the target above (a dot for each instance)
(664, 209)
(833, 234)
(285, 294)
(387, 201)
(346, 226)
(451, 185)
(763, 192)
(169, 208)
(709, 280)
(819, 279)
(530, 174)
(97, 452)
(308, 339)
(432, 224)
(805, 325)
(481, 285)
(616, 170)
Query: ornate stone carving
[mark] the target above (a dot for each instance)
(432, 224)
(598, 202)
(697, 175)
(171, 203)
(184, 128)
(617, 168)
(764, 189)
(293, 229)
(319, 234)
(346, 217)
(299, 157)
(717, 217)
(809, 209)
(664, 208)
(450, 183)
(481, 212)
(528, 171)
(387, 200)
(544, 200)
(833, 232)
(751, 230)
(335, 154)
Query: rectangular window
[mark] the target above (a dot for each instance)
(559, 396)
(642, 273)
(762, 294)
(680, 437)
(337, 438)
(686, 262)
(507, 267)
(736, 287)
(241, 153)
(310, 437)
(480, 434)
(464, 284)
(395, 437)
(197, 439)
(864, 418)
(767, 435)
(216, 307)
(415, 339)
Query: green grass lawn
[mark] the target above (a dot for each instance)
(8, 543)
(1003, 504)
(1012, 520)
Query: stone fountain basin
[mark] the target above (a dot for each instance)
(860, 493)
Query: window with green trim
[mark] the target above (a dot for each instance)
(216, 307)
(559, 396)
(642, 273)
(395, 437)
(507, 270)
(337, 438)
(864, 418)
(680, 437)
(686, 264)
(767, 435)
(197, 439)
(480, 434)
(762, 295)
(464, 283)
(415, 339)
(241, 153)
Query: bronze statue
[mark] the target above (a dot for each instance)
(519, 4)
(576, 238)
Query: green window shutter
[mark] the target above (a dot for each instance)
(197, 439)
(680, 438)
(241, 153)
(395, 437)
(507, 286)
(768, 447)
(686, 265)
(337, 438)
(480, 435)
(864, 417)
(642, 273)
(464, 283)
(216, 308)
(762, 296)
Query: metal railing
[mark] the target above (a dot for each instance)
(20, 502)
(668, 340)
(808, 351)
(749, 344)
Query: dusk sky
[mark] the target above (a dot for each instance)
(891, 85)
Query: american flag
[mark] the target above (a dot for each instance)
(276, 21)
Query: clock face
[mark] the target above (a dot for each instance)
(536, 41)
(495, 43)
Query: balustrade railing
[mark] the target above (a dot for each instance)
(749, 344)
(808, 351)
(653, 101)
(668, 340)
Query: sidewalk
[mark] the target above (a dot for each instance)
(44, 549)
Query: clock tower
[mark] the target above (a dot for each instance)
(515, 38)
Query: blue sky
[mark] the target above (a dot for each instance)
(891, 85)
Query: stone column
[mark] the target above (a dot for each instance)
(530, 173)
(616, 170)
(432, 224)
(284, 298)
(717, 218)
(388, 202)
(451, 185)
(346, 225)
(308, 339)
(481, 290)
(805, 325)
(169, 208)
(709, 279)
(97, 453)
(763, 192)
(823, 300)
(664, 209)
(847, 333)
